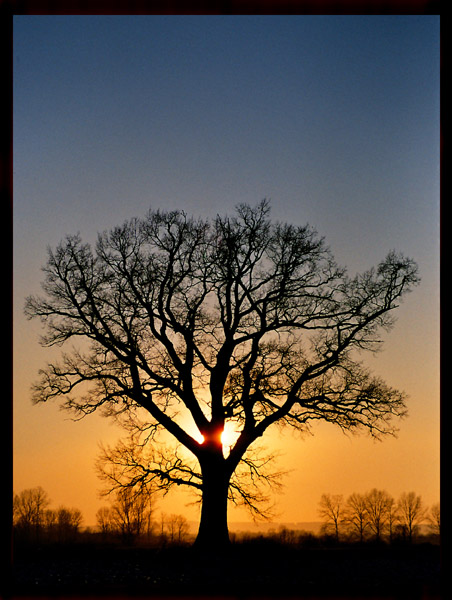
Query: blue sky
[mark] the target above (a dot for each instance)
(330, 117)
(334, 118)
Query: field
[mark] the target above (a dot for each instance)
(254, 569)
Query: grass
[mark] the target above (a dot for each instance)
(254, 568)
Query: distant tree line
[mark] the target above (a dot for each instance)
(128, 517)
(34, 521)
(376, 515)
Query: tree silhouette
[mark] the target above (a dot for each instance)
(34, 522)
(129, 514)
(379, 506)
(67, 524)
(331, 508)
(177, 528)
(105, 521)
(434, 518)
(29, 512)
(411, 513)
(356, 515)
(194, 324)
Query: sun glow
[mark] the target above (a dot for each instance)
(228, 436)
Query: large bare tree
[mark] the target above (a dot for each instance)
(196, 324)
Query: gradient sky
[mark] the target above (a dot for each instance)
(333, 118)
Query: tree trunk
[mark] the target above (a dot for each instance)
(213, 531)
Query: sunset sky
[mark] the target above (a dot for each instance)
(335, 119)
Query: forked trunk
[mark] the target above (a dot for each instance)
(213, 531)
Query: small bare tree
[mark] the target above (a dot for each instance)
(392, 519)
(411, 513)
(50, 520)
(105, 524)
(356, 517)
(67, 523)
(378, 506)
(176, 527)
(29, 512)
(131, 513)
(331, 510)
(434, 518)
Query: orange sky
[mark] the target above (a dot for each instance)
(59, 454)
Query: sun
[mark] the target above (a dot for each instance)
(229, 436)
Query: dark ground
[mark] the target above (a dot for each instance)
(246, 571)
